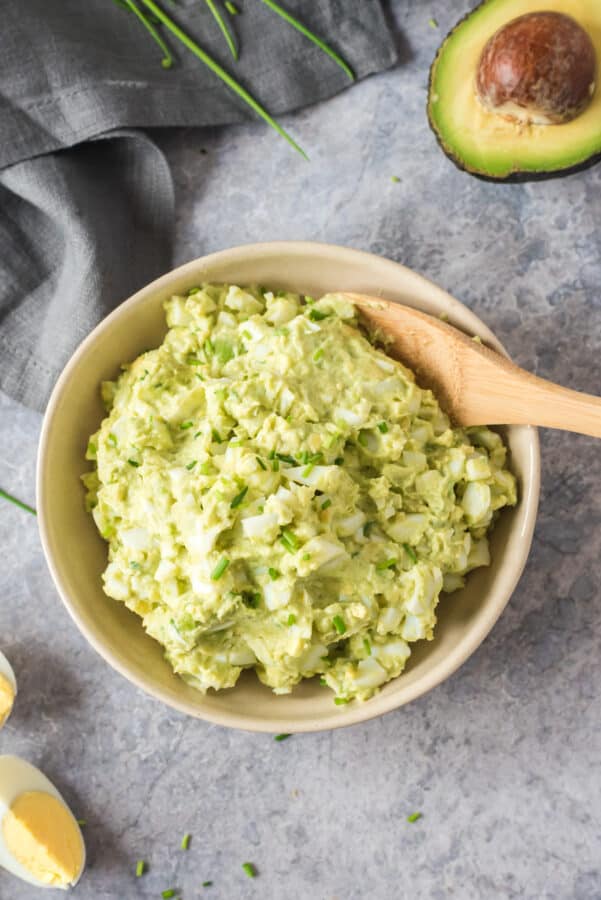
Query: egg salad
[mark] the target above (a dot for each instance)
(278, 494)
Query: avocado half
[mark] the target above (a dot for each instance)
(485, 143)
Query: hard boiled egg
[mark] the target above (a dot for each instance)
(40, 840)
(8, 688)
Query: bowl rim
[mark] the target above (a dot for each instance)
(342, 716)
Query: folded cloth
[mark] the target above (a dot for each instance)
(86, 197)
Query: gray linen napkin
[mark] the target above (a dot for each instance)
(83, 225)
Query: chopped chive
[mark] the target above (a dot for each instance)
(291, 620)
(339, 460)
(135, 565)
(221, 73)
(274, 574)
(216, 436)
(186, 841)
(261, 463)
(395, 179)
(134, 463)
(239, 497)
(220, 568)
(185, 425)
(167, 60)
(414, 817)
(281, 332)
(340, 701)
(338, 623)
(18, 503)
(191, 465)
(382, 427)
(386, 564)
(362, 438)
(224, 28)
(249, 869)
(289, 540)
(193, 360)
(326, 503)
(432, 23)
(305, 557)
(312, 37)
(140, 868)
(318, 355)
(170, 892)
(271, 454)
(316, 315)
(323, 682)
(367, 528)
(112, 440)
(307, 470)
(251, 599)
(207, 883)
(285, 457)
(282, 737)
(82, 822)
(410, 552)
(275, 465)
(367, 646)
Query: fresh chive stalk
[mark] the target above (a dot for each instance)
(385, 564)
(167, 60)
(185, 841)
(410, 552)
(311, 36)
(224, 27)
(239, 497)
(227, 79)
(18, 503)
(339, 625)
(140, 868)
(289, 540)
(249, 869)
(414, 817)
(220, 569)
(282, 737)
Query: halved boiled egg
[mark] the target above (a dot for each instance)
(40, 840)
(8, 688)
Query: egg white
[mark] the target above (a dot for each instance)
(16, 777)
(7, 670)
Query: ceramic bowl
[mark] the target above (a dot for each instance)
(77, 555)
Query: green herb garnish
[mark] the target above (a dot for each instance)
(220, 72)
(207, 883)
(367, 528)
(386, 564)
(216, 436)
(282, 737)
(382, 427)
(410, 552)
(140, 868)
(362, 438)
(339, 460)
(191, 465)
(82, 822)
(239, 498)
(367, 646)
(224, 28)
(289, 540)
(186, 841)
(316, 315)
(414, 817)
(185, 425)
(340, 701)
(220, 568)
(318, 355)
(170, 892)
(261, 463)
(274, 574)
(275, 465)
(134, 463)
(311, 36)
(395, 179)
(249, 869)
(18, 503)
(432, 23)
(291, 620)
(339, 625)
(112, 440)
(285, 457)
(326, 503)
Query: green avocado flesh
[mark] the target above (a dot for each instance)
(486, 143)
(278, 494)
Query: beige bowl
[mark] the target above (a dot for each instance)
(77, 555)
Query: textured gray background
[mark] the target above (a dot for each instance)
(503, 759)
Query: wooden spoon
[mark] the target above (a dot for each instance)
(474, 384)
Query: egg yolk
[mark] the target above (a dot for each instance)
(7, 698)
(42, 835)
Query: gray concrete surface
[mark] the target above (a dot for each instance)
(503, 760)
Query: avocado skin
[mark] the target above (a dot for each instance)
(514, 177)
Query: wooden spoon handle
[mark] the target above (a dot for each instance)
(520, 398)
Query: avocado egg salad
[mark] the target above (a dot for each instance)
(279, 494)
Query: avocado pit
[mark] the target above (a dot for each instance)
(539, 68)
